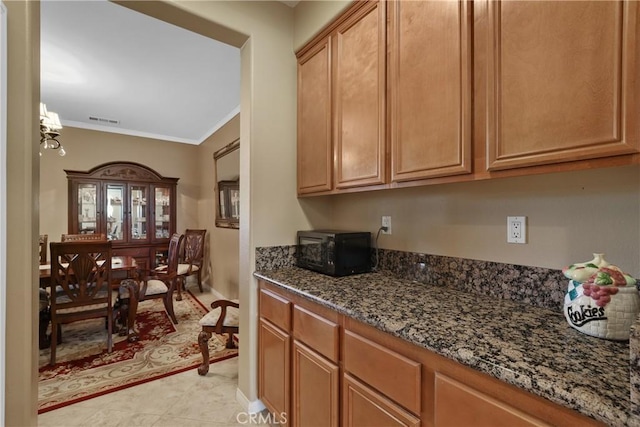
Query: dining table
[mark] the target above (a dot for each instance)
(127, 302)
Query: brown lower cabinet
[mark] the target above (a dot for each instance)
(320, 368)
(315, 389)
(274, 369)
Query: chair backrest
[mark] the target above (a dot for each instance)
(43, 248)
(173, 258)
(83, 237)
(81, 275)
(194, 246)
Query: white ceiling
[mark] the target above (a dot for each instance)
(102, 60)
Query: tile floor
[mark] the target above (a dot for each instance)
(185, 399)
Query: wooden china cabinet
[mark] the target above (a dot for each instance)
(130, 203)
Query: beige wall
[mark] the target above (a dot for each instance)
(21, 351)
(311, 16)
(269, 210)
(570, 216)
(223, 246)
(88, 148)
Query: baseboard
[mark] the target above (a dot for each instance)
(252, 407)
(217, 294)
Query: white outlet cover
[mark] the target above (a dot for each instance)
(513, 223)
(386, 222)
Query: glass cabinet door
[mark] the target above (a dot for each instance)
(138, 195)
(87, 208)
(115, 212)
(162, 212)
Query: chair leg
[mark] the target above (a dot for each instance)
(53, 341)
(129, 308)
(110, 333)
(230, 343)
(200, 279)
(168, 305)
(203, 342)
(43, 339)
(179, 286)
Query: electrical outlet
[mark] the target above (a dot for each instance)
(386, 222)
(516, 229)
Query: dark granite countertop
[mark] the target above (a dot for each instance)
(529, 347)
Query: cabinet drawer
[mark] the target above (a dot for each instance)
(318, 333)
(276, 309)
(365, 407)
(389, 372)
(479, 409)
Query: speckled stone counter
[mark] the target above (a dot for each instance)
(527, 346)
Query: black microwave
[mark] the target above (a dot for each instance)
(333, 252)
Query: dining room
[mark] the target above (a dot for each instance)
(137, 191)
(83, 146)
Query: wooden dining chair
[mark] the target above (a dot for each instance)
(192, 257)
(80, 286)
(224, 318)
(158, 283)
(43, 248)
(82, 237)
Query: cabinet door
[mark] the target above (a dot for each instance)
(85, 216)
(315, 388)
(562, 80)
(274, 366)
(116, 218)
(430, 88)
(162, 213)
(315, 152)
(477, 408)
(359, 52)
(138, 213)
(363, 406)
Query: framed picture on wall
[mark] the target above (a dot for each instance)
(228, 204)
(227, 170)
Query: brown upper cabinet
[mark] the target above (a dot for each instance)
(341, 104)
(430, 88)
(561, 81)
(359, 98)
(315, 155)
(402, 93)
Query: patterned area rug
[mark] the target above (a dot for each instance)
(84, 369)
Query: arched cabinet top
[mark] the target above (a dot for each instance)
(121, 171)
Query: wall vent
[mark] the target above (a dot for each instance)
(102, 120)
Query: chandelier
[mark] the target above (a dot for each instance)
(49, 130)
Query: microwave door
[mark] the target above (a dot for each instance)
(312, 253)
